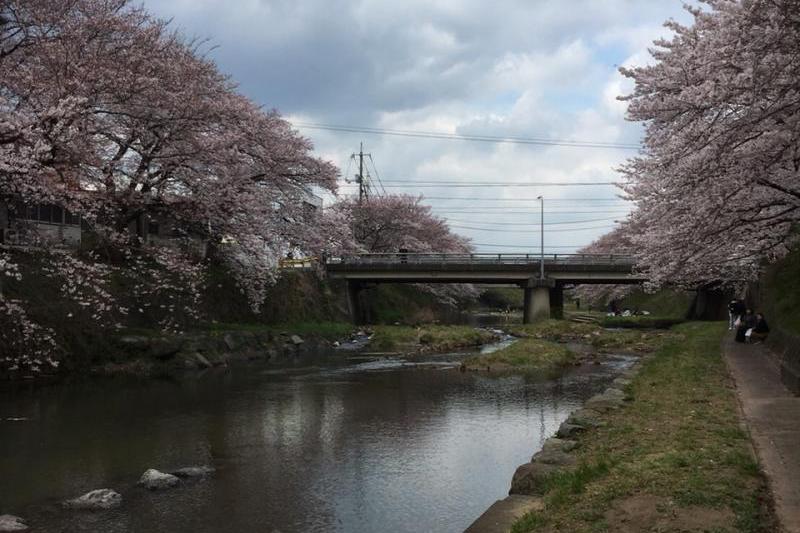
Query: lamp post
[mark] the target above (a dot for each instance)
(541, 237)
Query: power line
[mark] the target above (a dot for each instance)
(502, 230)
(523, 246)
(462, 185)
(533, 225)
(503, 199)
(495, 211)
(473, 138)
(378, 176)
(473, 199)
(505, 183)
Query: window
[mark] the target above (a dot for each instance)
(71, 219)
(50, 213)
(45, 212)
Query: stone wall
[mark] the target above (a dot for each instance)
(144, 354)
(787, 346)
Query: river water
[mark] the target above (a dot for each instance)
(342, 442)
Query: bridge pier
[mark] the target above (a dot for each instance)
(357, 314)
(537, 300)
(557, 301)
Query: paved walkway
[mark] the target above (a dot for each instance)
(772, 414)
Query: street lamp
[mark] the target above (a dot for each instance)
(541, 237)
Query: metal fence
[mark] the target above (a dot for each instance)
(482, 258)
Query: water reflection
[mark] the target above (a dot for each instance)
(332, 445)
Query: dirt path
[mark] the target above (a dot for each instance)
(772, 415)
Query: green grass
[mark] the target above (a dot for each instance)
(640, 321)
(529, 355)
(435, 338)
(678, 443)
(592, 334)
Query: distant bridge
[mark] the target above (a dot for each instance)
(542, 278)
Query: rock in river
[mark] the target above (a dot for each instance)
(95, 500)
(530, 478)
(193, 471)
(152, 479)
(12, 523)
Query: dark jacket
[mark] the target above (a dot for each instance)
(761, 326)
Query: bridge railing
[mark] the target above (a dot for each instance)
(481, 258)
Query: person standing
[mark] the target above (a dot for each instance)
(732, 315)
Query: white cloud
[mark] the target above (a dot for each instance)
(517, 68)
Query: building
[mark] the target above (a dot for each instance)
(26, 225)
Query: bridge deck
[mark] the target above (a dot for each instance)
(484, 268)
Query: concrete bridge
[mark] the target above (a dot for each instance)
(542, 279)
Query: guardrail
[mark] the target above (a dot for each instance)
(482, 258)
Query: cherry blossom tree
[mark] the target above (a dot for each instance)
(391, 223)
(394, 223)
(106, 112)
(717, 186)
(617, 241)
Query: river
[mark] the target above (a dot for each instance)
(341, 442)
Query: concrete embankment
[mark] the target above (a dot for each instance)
(663, 449)
(165, 354)
(530, 479)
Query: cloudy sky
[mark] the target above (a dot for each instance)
(529, 69)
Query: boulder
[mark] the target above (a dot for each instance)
(564, 445)
(554, 457)
(193, 471)
(137, 341)
(165, 347)
(296, 340)
(152, 479)
(567, 430)
(530, 477)
(588, 418)
(607, 401)
(621, 382)
(202, 362)
(95, 500)
(230, 342)
(12, 523)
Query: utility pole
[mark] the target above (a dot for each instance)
(362, 189)
(541, 237)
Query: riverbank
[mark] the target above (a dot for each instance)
(428, 338)
(147, 353)
(674, 456)
(547, 347)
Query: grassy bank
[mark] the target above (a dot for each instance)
(429, 338)
(528, 355)
(672, 459)
(591, 334)
(639, 322)
(543, 347)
